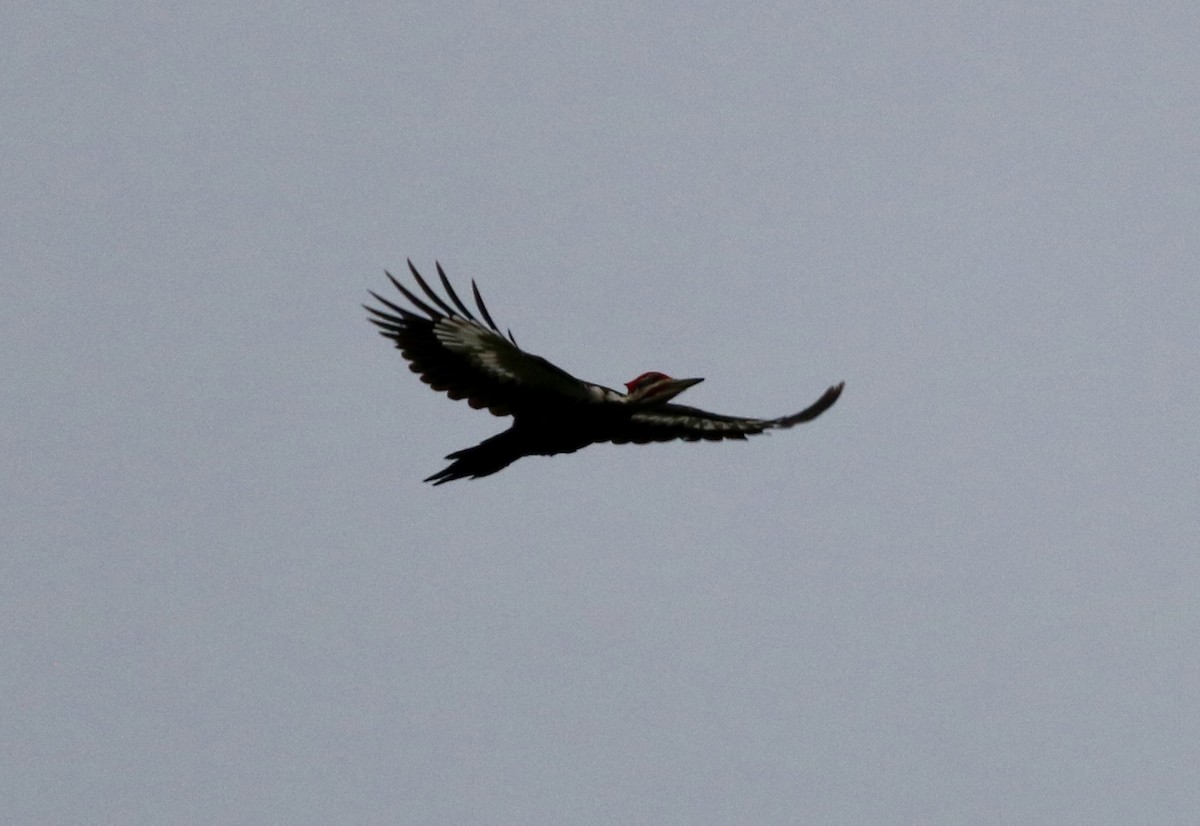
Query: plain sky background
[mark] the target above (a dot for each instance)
(967, 594)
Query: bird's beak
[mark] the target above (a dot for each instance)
(674, 387)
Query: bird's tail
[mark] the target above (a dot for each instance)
(483, 459)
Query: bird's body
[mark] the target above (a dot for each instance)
(553, 412)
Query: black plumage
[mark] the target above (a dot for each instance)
(553, 412)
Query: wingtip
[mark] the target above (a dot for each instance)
(449, 288)
(483, 307)
(830, 396)
(394, 280)
(815, 409)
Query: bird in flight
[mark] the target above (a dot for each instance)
(553, 412)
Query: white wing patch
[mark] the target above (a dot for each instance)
(701, 424)
(478, 343)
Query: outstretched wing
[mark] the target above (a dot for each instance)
(456, 353)
(675, 421)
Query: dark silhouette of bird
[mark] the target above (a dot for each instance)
(553, 412)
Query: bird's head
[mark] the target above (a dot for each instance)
(656, 388)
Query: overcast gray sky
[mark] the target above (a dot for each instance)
(967, 594)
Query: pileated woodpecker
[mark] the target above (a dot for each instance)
(553, 412)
